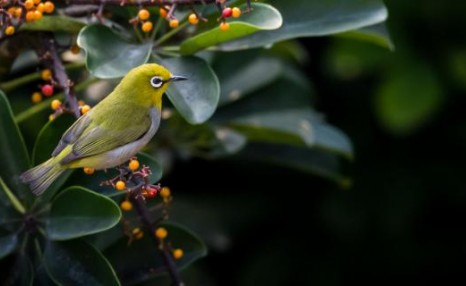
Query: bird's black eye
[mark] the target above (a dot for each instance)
(156, 81)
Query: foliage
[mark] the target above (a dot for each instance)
(251, 103)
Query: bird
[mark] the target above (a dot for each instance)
(113, 131)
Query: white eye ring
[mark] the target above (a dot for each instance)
(156, 81)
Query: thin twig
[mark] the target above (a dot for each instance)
(139, 3)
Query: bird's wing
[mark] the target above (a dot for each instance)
(100, 139)
(73, 133)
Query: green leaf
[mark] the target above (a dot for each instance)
(13, 152)
(196, 98)
(77, 263)
(264, 17)
(133, 269)
(78, 211)
(54, 24)
(22, 272)
(408, 98)
(306, 18)
(108, 55)
(377, 34)
(8, 244)
(17, 205)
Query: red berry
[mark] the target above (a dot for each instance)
(150, 193)
(227, 12)
(47, 89)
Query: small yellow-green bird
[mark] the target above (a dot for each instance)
(113, 131)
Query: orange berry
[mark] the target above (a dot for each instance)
(193, 19)
(37, 15)
(29, 4)
(178, 253)
(163, 12)
(18, 12)
(75, 49)
(81, 102)
(11, 10)
(165, 192)
(137, 233)
(147, 26)
(85, 108)
(36, 2)
(46, 74)
(49, 7)
(224, 26)
(174, 23)
(55, 104)
(161, 233)
(88, 170)
(30, 16)
(10, 30)
(126, 206)
(236, 12)
(133, 165)
(36, 97)
(40, 7)
(143, 14)
(120, 185)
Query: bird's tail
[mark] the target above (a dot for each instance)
(40, 177)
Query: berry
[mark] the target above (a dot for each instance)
(74, 48)
(46, 74)
(36, 97)
(47, 89)
(18, 12)
(163, 12)
(40, 7)
(37, 15)
(11, 11)
(178, 253)
(147, 26)
(88, 170)
(29, 16)
(137, 233)
(193, 19)
(36, 1)
(29, 4)
(161, 233)
(143, 14)
(85, 108)
(49, 7)
(236, 12)
(55, 104)
(10, 30)
(174, 23)
(81, 102)
(226, 13)
(150, 193)
(165, 192)
(224, 26)
(126, 206)
(120, 185)
(51, 117)
(133, 165)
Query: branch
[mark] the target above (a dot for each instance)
(139, 3)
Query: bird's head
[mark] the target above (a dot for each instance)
(148, 82)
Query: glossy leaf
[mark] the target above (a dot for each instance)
(8, 244)
(196, 98)
(54, 24)
(77, 263)
(133, 269)
(377, 34)
(78, 211)
(264, 17)
(13, 152)
(306, 18)
(108, 55)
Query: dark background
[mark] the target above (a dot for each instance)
(401, 221)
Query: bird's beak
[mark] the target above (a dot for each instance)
(177, 78)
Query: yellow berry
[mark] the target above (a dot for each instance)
(29, 4)
(178, 253)
(40, 7)
(163, 12)
(133, 165)
(51, 117)
(75, 49)
(224, 26)
(85, 108)
(120, 185)
(126, 206)
(165, 192)
(236, 12)
(10, 30)
(143, 14)
(161, 233)
(55, 104)
(18, 12)
(193, 19)
(88, 170)
(37, 15)
(49, 7)
(46, 74)
(174, 23)
(138, 233)
(147, 26)
(30, 16)
(36, 97)
(36, 1)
